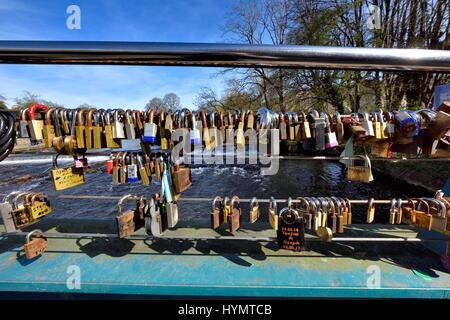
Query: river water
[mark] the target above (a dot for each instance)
(295, 178)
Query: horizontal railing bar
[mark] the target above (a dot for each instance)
(262, 239)
(223, 55)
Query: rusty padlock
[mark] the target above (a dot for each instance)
(125, 221)
(35, 247)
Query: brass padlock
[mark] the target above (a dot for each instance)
(234, 219)
(49, 128)
(273, 214)
(424, 219)
(125, 221)
(370, 211)
(254, 210)
(409, 212)
(181, 178)
(35, 247)
(36, 126)
(38, 206)
(63, 178)
(20, 214)
(217, 212)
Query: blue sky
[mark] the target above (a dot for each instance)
(111, 20)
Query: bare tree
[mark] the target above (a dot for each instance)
(172, 101)
(156, 104)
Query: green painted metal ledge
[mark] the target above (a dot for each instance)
(224, 268)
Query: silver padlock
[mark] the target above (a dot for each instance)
(6, 211)
(118, 129)
(368, 125)
(172, 214)
(195, 132)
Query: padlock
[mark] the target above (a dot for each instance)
(132, 169)
(144, 177)
(181, 178)
(36, 246)
(360, 173)
(123, 167)
(150, 128)
(20, 213)
(333, 216)
(23, 125)
(36, 126)
(194, 133)
(376, 125)
(156, 225)
(250, 120)
(118, 125)
(424, 219)
(115, 171)
(125, 221)
(234, 218)
(89, 129)
(273, 214)
(70, 141)
(339, 211)
(49, 128)
(291, 126)
(6, 212)
(370, 211)
(330, 137)
(240, 137)
(109, 131)
(399, 212)
(383, 124)
(38, 206)
(439, 220)
(162, 131)
(206, 137)
(110, 164)
(389, 131)
(226, 209)
(130, 127)
(282, 127)
(339, 127)
(254, 210)
(317, 125)
(172, 214)
(291, 229)
(306, 130)
(58, 139)
(217, 212)
(409, 212)
(303, 209)
(393, 211)
(367, 124)
(213, 131)
(64, 178)
(407, 127)
(80, 127)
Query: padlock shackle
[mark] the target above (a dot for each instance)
(23, 114)
(36, 231)
(35, 107)
(16, 199)
(6, 198)
(254, 202)
(423, 201)
(126, 197)
(48, 116)
(204, 122)
(273, 204)
(215, 200)
(90, 117)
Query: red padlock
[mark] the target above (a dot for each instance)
(110, 165)
(36, 126)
